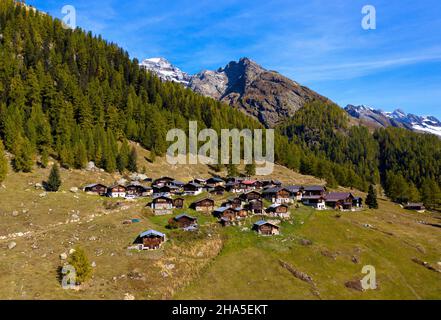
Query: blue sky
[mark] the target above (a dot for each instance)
(318, 43)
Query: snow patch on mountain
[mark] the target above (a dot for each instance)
(165, 70)
(397, 118)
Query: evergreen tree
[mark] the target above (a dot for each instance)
(371, 199)
(83, 269)
(3, 163)
(54, 181)
(132, 164)
(44, 160)
(232, 170)
(331, 182)
(23, 156)
(122, 159)
(250, 169)
(431, 194)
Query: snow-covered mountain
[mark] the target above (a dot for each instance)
(270, 97)
(165, 70)
(397, 118)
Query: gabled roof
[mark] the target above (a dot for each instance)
(184, 215)
(215, 179)
(314, 188)
(94, 184)
(263, 222)
(221, 209)
(151, 233)
(205, 199)
(272, 190)
(293, 188)
(336, 196)
(193, 185)
(178, 183)
(162, 197)
(249, 182)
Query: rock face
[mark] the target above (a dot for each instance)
(266, 95)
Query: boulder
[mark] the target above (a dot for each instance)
(129, 296)
(63, 256)
(90, 166)
(12, 245)
(74, 189)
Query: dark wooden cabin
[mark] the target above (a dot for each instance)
(150, 240)
(266, 228)
(206, 205)
(96, 188)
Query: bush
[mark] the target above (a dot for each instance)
(82, 266)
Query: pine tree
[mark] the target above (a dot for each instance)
(122, 159)
(3, 163)
(132, 164)
(23, 156)
(431, 194)
(250, 169)
(83, 269)
(331, 182)
(54, 181)
(371, 199)
(44, 158)
(232, 170)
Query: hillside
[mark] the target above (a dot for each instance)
(216, 263)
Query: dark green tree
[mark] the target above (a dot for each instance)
(371, 199)
(132, 164)
(3, 163)
(54, 181)
(250, 169)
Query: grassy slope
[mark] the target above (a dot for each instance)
(220, 263)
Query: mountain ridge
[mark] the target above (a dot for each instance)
(270, 97)
(397, 118)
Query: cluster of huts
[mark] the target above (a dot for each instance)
(248, 198)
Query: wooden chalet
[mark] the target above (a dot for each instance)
(234, 187)
(415, 207)
(277, 195)
(251, 195)
(231, 214)
(317, 202)
(164, 191)
(149, 240)
(233, 203)
(215, 182)
(163, 181)
(138, 190)
(96, 188)
(205, 205)
(162, 205)
(192, 189)
(178, 203)
(249, 185)
(314, 191)
(218, 190)
(278, 210)
(199, 181)
(226, 213)
(185, 221)
(266, 228)
(340, 200)
(296, 192)
(255, 206)
(116, 191)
